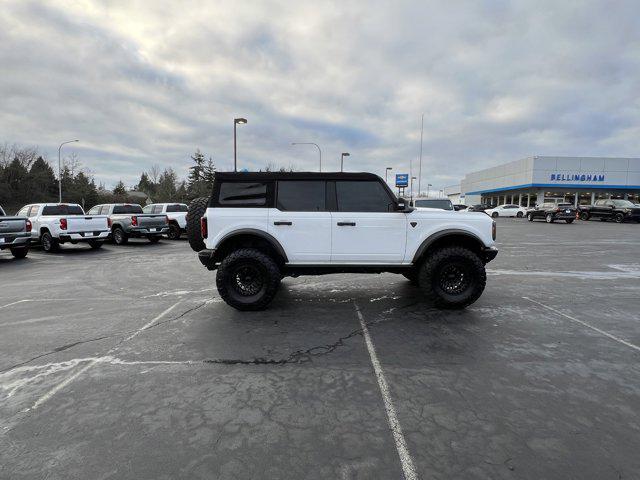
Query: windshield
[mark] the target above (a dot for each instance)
(120, 209)
(441, 204)
(62, 210)
(623, 203)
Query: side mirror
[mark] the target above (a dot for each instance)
(403, 206)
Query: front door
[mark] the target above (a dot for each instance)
(366, 228)
(301, 222)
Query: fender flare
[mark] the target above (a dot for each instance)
(258, 233)
(441, 234)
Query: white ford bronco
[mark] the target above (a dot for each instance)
(260, 227)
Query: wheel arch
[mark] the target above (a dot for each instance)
(250, 238)
(448, 237)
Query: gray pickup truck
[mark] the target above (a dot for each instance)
(126, 220)
(15, 234)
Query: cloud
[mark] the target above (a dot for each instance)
(143, 83)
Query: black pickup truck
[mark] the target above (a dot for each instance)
(618, 210)
(15, 234)
(550, 212)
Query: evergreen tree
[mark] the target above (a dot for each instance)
(120, 189)
(167, 189)
(209, 173)
(196, 171)
(42, 182)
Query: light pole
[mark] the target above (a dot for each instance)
(428, 185)
(236, 121)
(386, 174)
(412, 179)
(311, 143)
(420, 165)
(345, 154)
(60, 170)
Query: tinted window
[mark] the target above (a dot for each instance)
(623, 203)
(242, 194)
(355, 196)
(62, 210)
(178, 207)
(301, 196)
(94, 211)
(124, 209)
(441, 204)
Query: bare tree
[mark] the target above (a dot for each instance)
(72, 162)
(154, 173)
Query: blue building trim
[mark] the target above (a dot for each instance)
(579, 186)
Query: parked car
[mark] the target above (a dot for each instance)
(175, 212)
(551, 212)
(15, 234)
(507, 210)
(438, 203)
(478, 208)
(617, 210)
(260, 227)
(126, 220)
(56, 223)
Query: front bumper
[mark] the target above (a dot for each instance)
(489, 254)
(145, 232)
(15, 241)
(206, 258)
(83, 236)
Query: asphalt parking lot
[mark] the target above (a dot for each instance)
(124, 363)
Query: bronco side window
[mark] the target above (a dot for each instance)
(243, 194)
(363, 196)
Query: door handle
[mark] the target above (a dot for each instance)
(346, 224)
(282, 223)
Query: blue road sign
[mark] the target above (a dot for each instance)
(402, 179)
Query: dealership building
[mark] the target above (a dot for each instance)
(577, 180)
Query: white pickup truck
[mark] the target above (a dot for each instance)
(57, 223)
(175, 212)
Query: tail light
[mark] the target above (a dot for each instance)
(63, 224)
(134, 221)
(29, 225)
(204, 229)
(109, 222)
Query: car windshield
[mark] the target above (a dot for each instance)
(123, 209)
(623, 203)
(441, 204)
(62, 210)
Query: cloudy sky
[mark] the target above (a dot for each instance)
(148, 82)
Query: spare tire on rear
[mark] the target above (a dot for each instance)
(197, 209)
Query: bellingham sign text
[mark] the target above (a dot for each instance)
(576, 177)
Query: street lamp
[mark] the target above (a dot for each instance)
(345, 154)
(386, 174)
(311, 143)
(412, 179)
(428, 185)
(60, 170)
(236, 121)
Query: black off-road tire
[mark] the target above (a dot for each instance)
(584, 216)
(260, 267)
(20, 252)
(174, 231)
(95, 244)
(154, 238)
(569, 220)
(197, 209)
(530, 217)
(619, 218)
(119, 237)
(412, 276)
(49, 244)
(433, 274)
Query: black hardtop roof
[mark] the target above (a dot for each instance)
(257, 176)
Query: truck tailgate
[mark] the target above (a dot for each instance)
(87, 224)
(151, 221)
(12, 225)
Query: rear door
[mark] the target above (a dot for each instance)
(366, 228)
(300, 221)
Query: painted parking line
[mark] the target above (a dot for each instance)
(585, 324)
(94, 361)
(406, 461)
